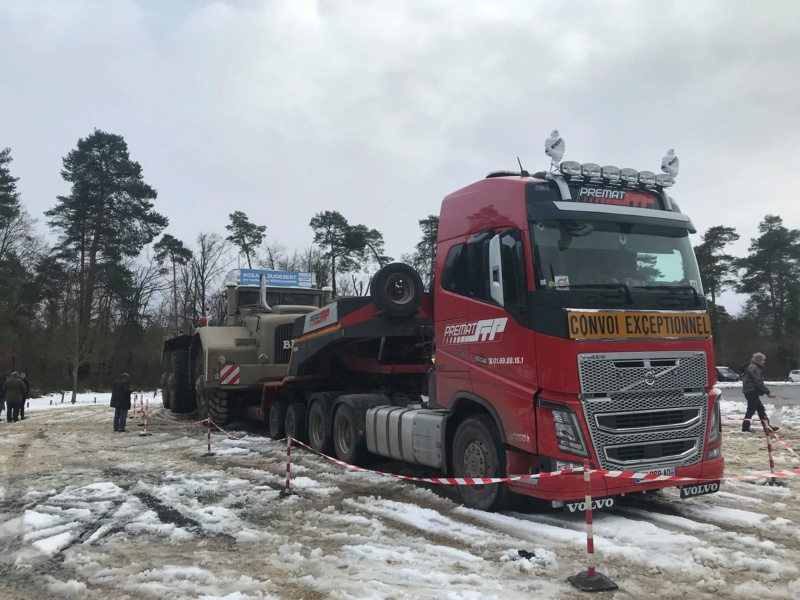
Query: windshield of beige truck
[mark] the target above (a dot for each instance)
(252, 298)
(571, 255)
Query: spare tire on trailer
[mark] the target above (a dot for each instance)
(397, 290)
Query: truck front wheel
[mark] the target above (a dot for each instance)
(477, 453)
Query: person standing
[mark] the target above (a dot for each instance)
(15, 390)
(753, 387)
(121, 402)
(3, 379)
(24, 378)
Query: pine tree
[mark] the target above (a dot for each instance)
(247, 236)
(107, 215)
(717, 269)
(344, 242)
(9, 196)
(171, 249)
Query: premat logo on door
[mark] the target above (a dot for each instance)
(487, 330)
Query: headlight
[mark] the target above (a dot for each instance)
(715, 429)
(568, 433)
(221, 359)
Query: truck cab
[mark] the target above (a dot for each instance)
(570, 315)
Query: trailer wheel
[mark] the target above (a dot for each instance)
(180, 398)
(318, 437)
(345, 436)
(477, 453)
(397, 290)
(296, 421)
(277, 418)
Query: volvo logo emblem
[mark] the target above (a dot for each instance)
(650, 378)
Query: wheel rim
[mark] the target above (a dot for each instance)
(344, 435)
(476, 456)
(399, 289)
(317, 429)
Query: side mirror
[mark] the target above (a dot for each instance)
(495, 271)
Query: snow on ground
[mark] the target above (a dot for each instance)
(88, 513)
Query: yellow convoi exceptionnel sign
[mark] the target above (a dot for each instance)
(635, 325)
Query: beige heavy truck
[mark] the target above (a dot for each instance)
(213, 365)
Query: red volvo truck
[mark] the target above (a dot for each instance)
(566, 321)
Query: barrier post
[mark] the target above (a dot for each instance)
(287, 492)
(62, 397)
(144, 417)
(768, 435)
(590, 580)
(134, 405)
(208, 437)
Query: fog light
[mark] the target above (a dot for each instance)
(563, 465)
(714, 453)
(263, 359)
(216, 375)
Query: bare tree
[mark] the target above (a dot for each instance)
(210, 260)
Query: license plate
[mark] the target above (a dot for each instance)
(699, 489)
(668, 471)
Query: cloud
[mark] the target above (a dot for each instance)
(378, 109)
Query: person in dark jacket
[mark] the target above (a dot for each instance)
(753, 388)
(121, 401)
(15, 390)
(24, 378)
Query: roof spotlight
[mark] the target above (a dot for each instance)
(610, 173)
(629, 175)
(590, 170)
(570, 167)
(664, 180)
(647, 178)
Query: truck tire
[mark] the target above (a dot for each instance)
(180, 398)
(296, 422)
(165, 373)
(397, 290)
(277, 420)
(318, 430)
(349, 448)
(211, 402)
(477, 453)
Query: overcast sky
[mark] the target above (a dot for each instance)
(378, 109)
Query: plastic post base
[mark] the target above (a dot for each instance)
(598, 583)
(285, 493)
(144, 433)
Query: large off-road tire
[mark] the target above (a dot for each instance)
(397, 290)
(318, 437)
(346, 441)
(211, 401)
(181, 398)
(166, 371)
(296, 422)
(477, 452)
(277, 420)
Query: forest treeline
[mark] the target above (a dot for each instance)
(95, 292)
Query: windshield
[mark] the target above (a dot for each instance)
(570, 254)
(252, 297)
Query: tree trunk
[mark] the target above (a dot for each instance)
(175, 293)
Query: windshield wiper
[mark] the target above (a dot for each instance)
(607, 286)
(673, 287)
